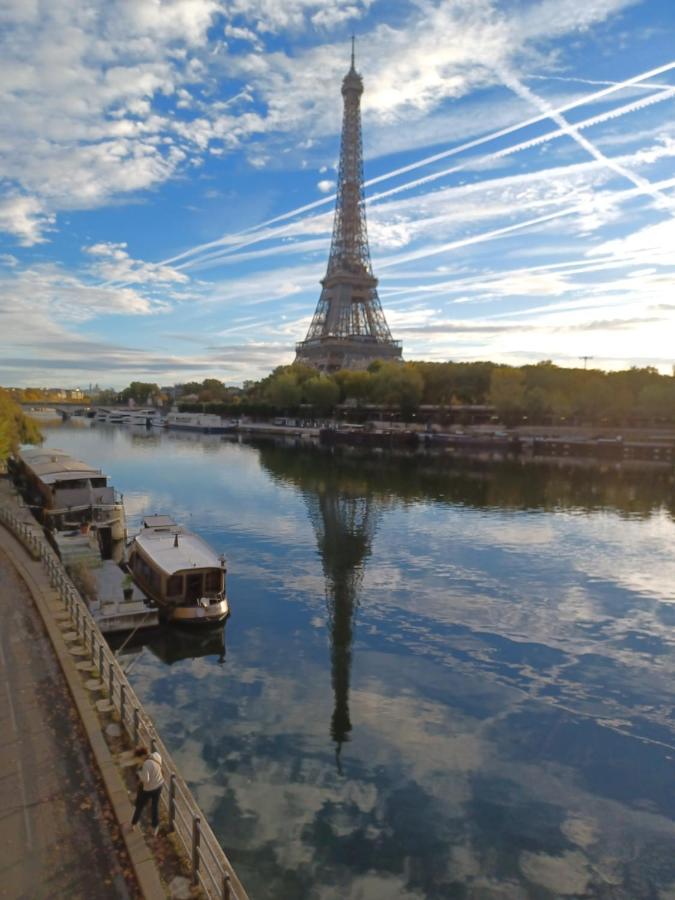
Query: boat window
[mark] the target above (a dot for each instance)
(174, 586)
(194, 586)
(147, 574)
(213, 581)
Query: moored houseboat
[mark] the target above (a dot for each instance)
(207, 423)
(69, 493)
(179, 571)
(143, 418)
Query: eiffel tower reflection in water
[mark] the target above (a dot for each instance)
(344, 512)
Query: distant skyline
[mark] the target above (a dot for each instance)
(167, 174)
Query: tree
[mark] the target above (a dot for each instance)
(594, 399)
(440, 382)
(400, 385)
(322, 393)
(507, 393)
(140, 392)
(536, 403)
(15, 427)
(354, 385)
(283, 391)
(212, 391)
(657, 401)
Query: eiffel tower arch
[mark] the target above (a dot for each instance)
(349, 330)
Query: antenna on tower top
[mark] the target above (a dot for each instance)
(353, 41)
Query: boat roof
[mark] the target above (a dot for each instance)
(173, 548)
(159, 522)
(51, 465)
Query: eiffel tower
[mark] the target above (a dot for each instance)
(349, 330)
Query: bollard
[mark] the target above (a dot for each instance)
(226, 886)
(196, 836)
(172, 801)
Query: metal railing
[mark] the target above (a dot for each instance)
(210, 867)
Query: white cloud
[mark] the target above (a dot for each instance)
(243, 34)
(653, 245)
(89, 95)
(49, 290)
(268, 16)
(326, 186)
(25, 218)
(113, 264)
(78, 88)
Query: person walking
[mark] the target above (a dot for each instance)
(149, 789)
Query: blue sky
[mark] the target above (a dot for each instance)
(167, 173)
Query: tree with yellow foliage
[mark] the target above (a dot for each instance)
(15, 427)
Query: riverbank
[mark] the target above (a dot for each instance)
(156, 866)
(55, 819)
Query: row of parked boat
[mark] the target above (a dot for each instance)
(207, 423)
(176, 570)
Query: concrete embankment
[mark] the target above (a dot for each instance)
(69, 718)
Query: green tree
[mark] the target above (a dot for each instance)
(283, 391)
(212, 391)
(561, 404)
(594, 398)
(536, 403)
(322, 393)
(354, 385)
(400, 385)
(507, 393)
(140, 392)
(657, 401)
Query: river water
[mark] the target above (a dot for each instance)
(439, 679)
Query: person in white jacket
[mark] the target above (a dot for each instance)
(149, 789)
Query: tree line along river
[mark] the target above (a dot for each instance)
(439, 680)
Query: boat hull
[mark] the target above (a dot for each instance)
(203, 429)
(198, 616)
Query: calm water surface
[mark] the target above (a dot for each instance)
(439, 680)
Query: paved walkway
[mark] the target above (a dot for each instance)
(58, 837)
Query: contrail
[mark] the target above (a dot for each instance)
(568, 79)
(618, 196)
(528, 144)
(479, 238)
(522, 91)
(231, 252)
(597, 95)
(483, 283)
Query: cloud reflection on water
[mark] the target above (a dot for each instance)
(509, 684)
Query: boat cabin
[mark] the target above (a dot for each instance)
(68, 491)
(178, 570)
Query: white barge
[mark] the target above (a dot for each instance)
(207, 423)
(179, 572)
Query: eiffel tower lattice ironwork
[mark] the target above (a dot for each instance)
(349, 330)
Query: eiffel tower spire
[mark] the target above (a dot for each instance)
(349, 330)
